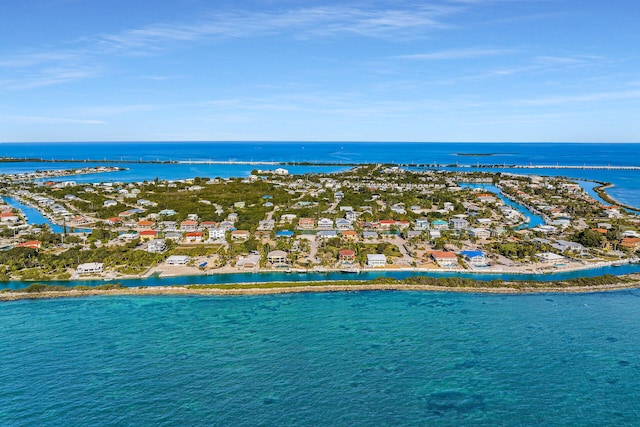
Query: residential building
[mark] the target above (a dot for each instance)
(277, 258)
(177, 260)
(156, 246)
(445, 259)
(90, 268)
(476, 258)
(376, 260)
(240, 234)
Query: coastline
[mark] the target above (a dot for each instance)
(507, 288)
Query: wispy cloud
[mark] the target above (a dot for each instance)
(456, 54)
(50, 120)
(580, 98)
(48, 77)
(301, 23)
(37, 58)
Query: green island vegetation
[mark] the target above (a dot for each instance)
(412, 283)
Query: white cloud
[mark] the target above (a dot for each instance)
(50, 120)
(302, 23)
(587, 97)
(457, 54)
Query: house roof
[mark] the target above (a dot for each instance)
(472, 254)
(443, 255)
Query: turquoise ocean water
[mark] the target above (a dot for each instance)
(364, 358)
(468, 154)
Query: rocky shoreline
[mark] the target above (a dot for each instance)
(626, 282)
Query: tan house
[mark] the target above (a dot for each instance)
(240, 234)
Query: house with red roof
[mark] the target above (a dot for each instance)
(445, 259)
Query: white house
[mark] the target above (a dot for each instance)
(90, 268)
(422, 224)
(325, 223)
(156, 246)
(480, 233)
(217, 233)
(459, 224)
(549, 257)
(177, 260)
(376, 260)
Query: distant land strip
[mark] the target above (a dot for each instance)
(316, 163)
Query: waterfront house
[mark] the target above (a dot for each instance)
(549, 257)
(632, 243)
(277, 258)
(177, 260)
(376, 260)
(347, 255)
(281, 171)
(563, 245)
(249, 262)
(9, 217)
(445, 259)
(476, 258)
(90, 268)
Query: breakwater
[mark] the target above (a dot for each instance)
(318, 163)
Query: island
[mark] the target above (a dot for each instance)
(366, 219)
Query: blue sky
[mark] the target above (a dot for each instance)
(441, 70)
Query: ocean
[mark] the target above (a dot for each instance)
(347, 358)
(343, 359)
